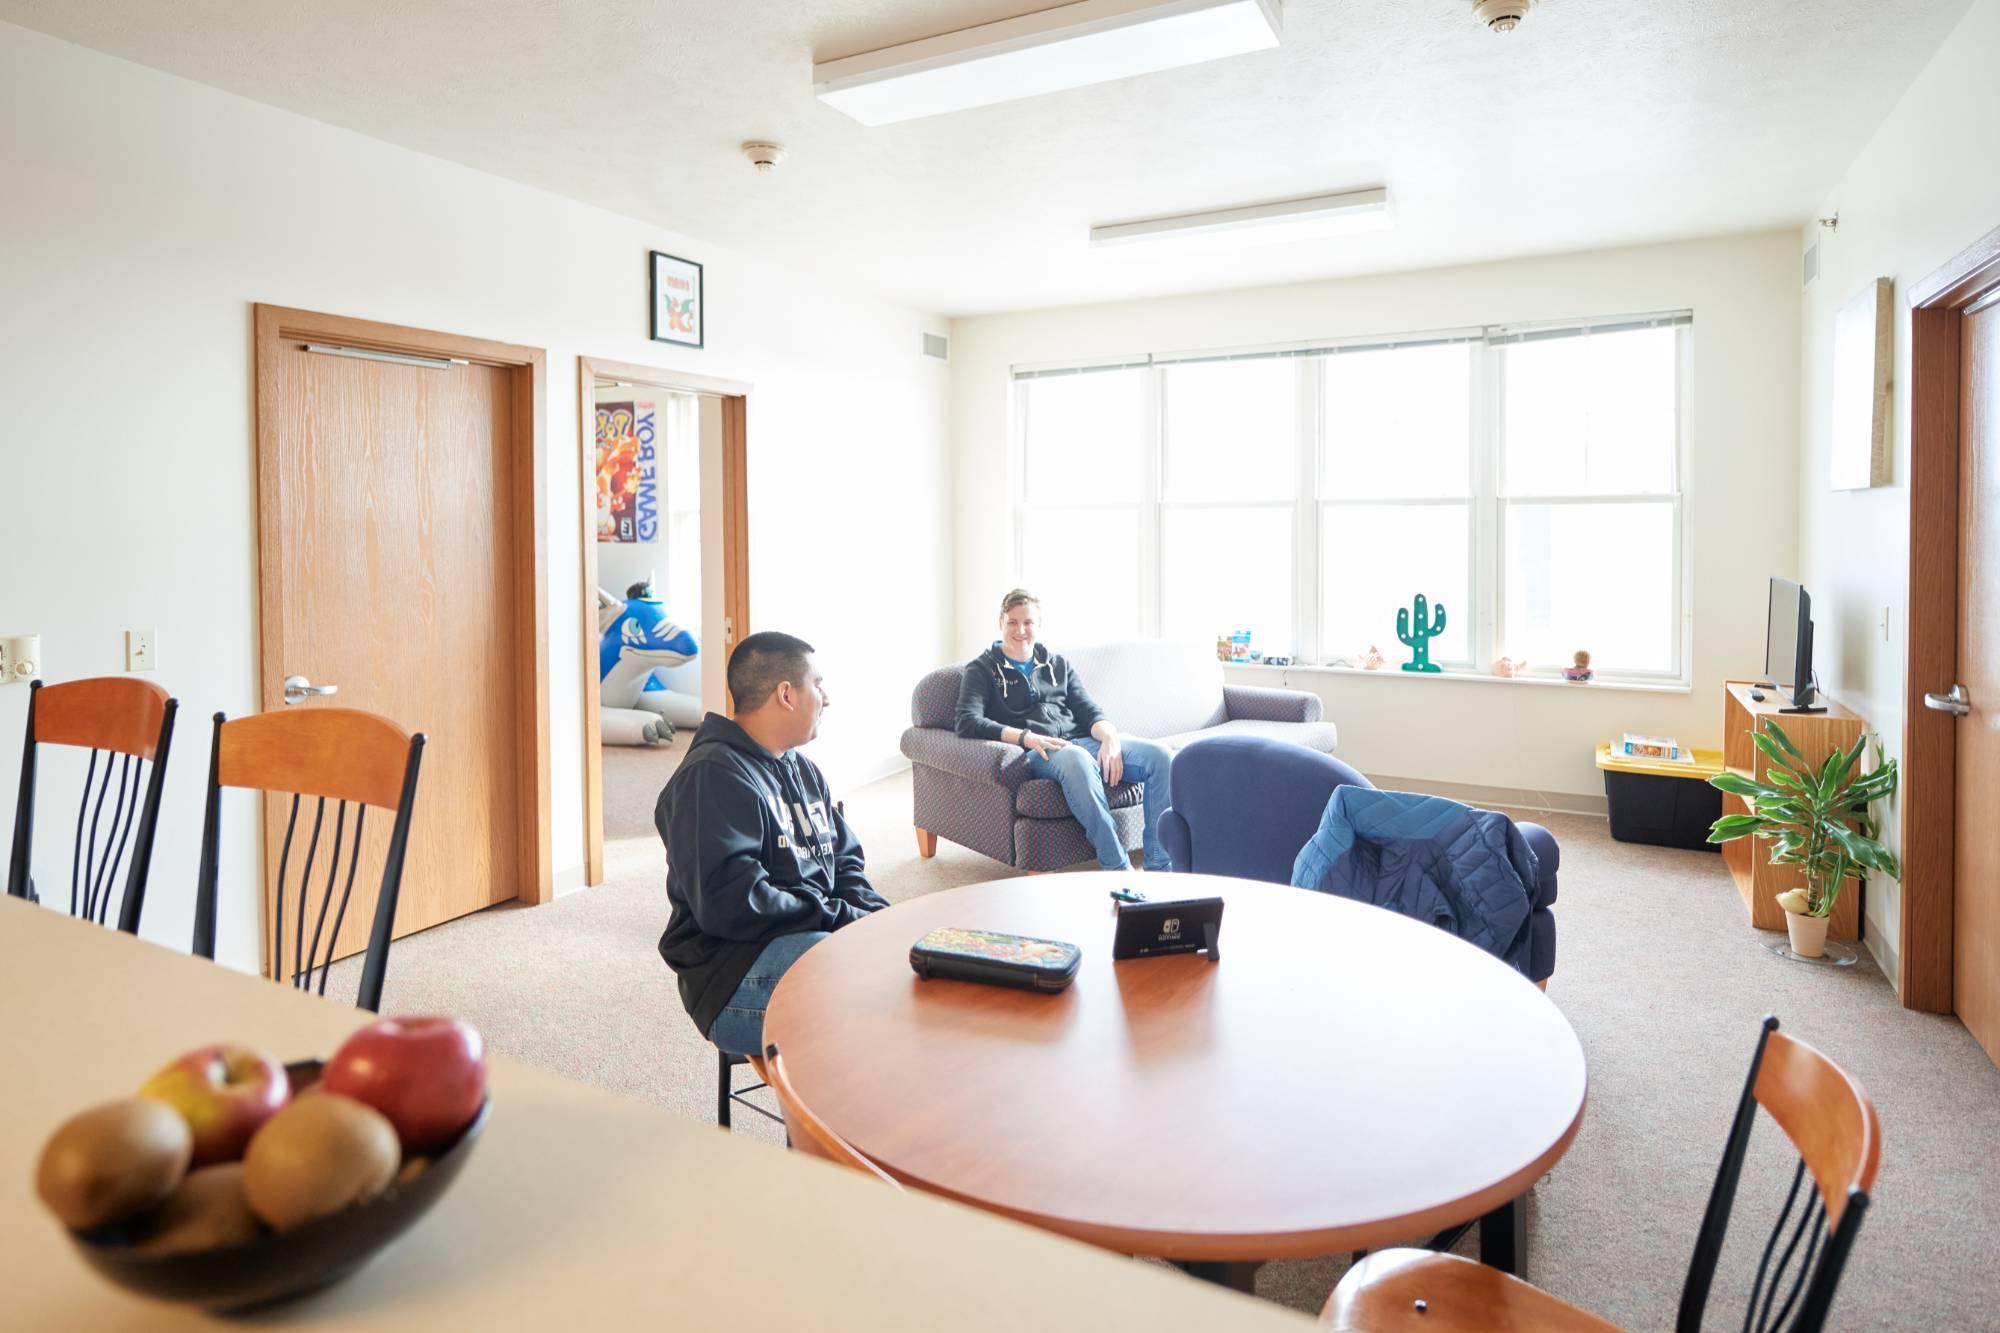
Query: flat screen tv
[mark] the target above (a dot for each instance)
(1788, 644)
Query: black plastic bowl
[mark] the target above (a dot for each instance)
(289, 1263)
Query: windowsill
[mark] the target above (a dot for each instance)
(1392, 670)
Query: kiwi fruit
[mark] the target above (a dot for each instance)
(317, 1156)
(207, 1212)
(113, 1161)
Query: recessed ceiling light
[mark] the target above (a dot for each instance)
(1256, 224)
(1069, 46)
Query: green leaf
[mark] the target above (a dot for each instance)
(1784, 777)
(1731, 827)
(1778, 733)
(1738, 785)
(1776, 755)
(1865, 851)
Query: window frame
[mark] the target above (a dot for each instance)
(1681, 617)
(1486, 507)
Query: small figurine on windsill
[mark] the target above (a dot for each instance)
(1372, 660)
(1508, 667)
(1581, 671)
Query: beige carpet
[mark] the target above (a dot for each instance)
(1657, 970)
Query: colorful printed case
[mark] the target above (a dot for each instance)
(994, 959)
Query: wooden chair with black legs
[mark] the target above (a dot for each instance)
(126, 725)
(1823, 1112)
(726, 1090)
(314, 756)
(807, 1132)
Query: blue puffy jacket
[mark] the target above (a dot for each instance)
(1463, 870)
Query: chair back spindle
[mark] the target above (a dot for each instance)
(345, 758)
(128, 727)
(1830, 1121)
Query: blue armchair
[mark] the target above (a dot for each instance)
(1245, 805)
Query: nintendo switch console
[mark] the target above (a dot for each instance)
(1149, 929)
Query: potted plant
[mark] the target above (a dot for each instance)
(1818, 821)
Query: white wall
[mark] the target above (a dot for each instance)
(142, 215)
(1536, 739)
(1922, 189)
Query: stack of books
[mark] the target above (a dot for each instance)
(1652, 747)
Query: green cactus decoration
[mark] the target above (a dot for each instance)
(1418, 639)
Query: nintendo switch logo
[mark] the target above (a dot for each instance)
(1172, 926)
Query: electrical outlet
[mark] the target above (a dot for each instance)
(20, 658)
(140, 650)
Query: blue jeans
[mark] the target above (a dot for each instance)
(739, 1029)
(1074, 768)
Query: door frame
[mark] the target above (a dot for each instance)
(526, 576)
(1938, 305)
(735, 397)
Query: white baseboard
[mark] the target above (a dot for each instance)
(568, 879)
(1885, 958)
(1512, 798)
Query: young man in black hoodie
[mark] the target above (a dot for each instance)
(1020, 693)
(761, 865)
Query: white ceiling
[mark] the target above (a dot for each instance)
(1599, 122)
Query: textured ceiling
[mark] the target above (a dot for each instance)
(1599, 122)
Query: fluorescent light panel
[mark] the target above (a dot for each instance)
(1070, 46)
(1286, 219)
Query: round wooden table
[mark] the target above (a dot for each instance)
(1343, 1078)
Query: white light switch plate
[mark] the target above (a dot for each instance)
(20, 658)
(141, 648)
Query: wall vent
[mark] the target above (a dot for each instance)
(1812, 263)
(935, 345)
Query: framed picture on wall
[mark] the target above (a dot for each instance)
(676, 288)
(1864, 352)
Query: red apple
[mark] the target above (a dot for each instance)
(428, 1075)
(225, 1093)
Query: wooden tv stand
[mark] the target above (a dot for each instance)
(1749, 859)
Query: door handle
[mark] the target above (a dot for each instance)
(298, 689)
(1958, 703)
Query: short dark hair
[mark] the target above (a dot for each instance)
(1019, 597)
(761, 662)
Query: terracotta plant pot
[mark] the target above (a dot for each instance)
(1808, 934)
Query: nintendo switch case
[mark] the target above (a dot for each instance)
(995, 959)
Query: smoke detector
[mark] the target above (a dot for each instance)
(764, 156)
(1501, 15)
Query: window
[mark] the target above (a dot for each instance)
(1525, 479)
(1079, 543)
(1395, 496)
(1229, 433)
(1589, 465)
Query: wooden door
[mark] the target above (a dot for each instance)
(391, 532)
(1976, 895)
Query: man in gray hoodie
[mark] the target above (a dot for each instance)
(761, 864)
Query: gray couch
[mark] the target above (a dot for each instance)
(978, 793)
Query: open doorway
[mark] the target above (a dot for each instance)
(665, 580)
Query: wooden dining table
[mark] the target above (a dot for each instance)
(1340, 1078)
(576, 1209)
